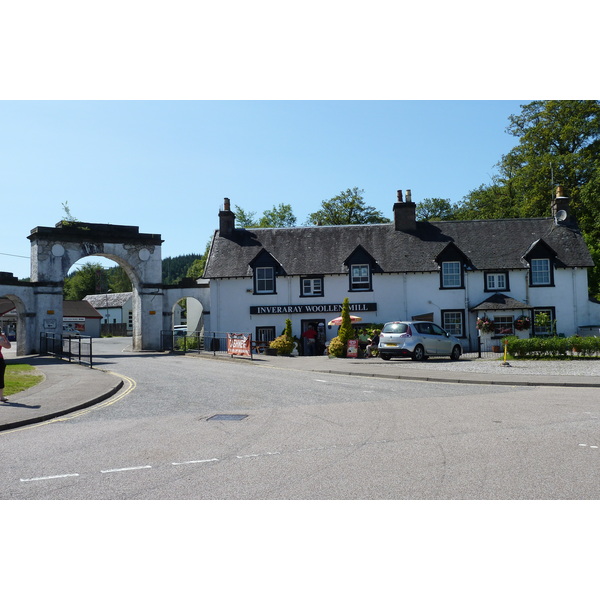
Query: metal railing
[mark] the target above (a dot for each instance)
(213, 342)
(74, 348)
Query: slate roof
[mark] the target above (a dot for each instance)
(80, 308)
(116, 300)
(501, 302)
(489, 245)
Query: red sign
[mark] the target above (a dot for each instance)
(352, 351)
(239, 344)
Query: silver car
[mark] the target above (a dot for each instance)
(418, 340)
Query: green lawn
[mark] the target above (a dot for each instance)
(20, 377)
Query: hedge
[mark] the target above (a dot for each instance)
(553, 347)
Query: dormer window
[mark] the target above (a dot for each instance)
(540, 271)
(451, 274)
(264, 280)
(360, 278)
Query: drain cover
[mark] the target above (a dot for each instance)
(227, 418)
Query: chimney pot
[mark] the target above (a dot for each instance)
(226, 204)
(408, 196)
(400, 196)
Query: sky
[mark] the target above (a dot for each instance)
(165, 166)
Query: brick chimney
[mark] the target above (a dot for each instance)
(561, 202)
(226, 219)
(405, 213)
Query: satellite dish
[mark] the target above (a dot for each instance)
(561, 216)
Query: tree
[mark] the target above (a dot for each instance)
(435, 209)
(196, 269)
(90, 278)
(347, 208)
(279, 216)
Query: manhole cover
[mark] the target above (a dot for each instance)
(227, 418)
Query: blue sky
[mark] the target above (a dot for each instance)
(165, 166)
(148, 115)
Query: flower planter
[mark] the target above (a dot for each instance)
(496, 349)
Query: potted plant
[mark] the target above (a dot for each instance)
(485, 325)
(522, 323)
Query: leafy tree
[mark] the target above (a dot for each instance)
(346, 331)
(196, 269)
(174, 269)
(90, 278)
(347, 208)
(279, 216)
(118, 280)
(435, 209)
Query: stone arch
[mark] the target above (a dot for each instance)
(55, 249)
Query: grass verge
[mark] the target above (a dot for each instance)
(20, 377)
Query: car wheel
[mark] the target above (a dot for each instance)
(385, 356)
(419, 353)
(455, 355)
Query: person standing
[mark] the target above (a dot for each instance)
(310, 341)
(4, 343)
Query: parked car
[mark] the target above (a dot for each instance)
(418, 340)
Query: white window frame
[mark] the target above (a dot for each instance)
(495, 281)
(264, 280)
(540, 271)
(451, 274)
(360, 277)
(453, 322)
(504, 325)
(312, 286)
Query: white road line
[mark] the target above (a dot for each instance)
(51, 477)
(125, 469)
(192, 462)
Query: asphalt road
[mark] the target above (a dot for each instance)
(193, 428)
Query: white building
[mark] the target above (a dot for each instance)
(451, 272)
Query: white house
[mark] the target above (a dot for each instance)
(451, 272)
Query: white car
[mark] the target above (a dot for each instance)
(417, 340)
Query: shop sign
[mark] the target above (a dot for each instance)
(352, 351)
(287, 309)
(239, 344)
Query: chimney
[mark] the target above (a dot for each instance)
(559, 203)
(226, 219)
(405, 213)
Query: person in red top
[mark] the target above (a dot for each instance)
(4, 343)
(310, 341)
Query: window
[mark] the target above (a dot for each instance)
(264, 280)
(543, 321)
(540, 271)
(265, 334)
(453, 322)
(451, 274)
(360, 278)
(504, 325)
(311, 286)
(496, 281)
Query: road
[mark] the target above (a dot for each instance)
(191, 428)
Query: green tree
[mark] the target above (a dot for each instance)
(118, 280)
(435, 209)
(90, 278)
(196, 269)
(346, 331)
(281, 215)
(347, 208)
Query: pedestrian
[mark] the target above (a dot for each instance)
(4, 343)
(373, 343)
(310, 341)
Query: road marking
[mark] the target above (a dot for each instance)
(51, 477)
(192, 462)
(126, 469)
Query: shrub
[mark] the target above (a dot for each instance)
(284, 344)
(337, 348)
(553, 347)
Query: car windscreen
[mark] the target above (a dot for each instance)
(395, 328)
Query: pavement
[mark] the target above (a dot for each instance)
(69, 387)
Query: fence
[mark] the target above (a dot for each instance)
(77, 348)
(179, 341)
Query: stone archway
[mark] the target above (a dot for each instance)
(55, 249)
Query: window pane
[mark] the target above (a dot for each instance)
(360, 277)
(264, 279)
(540, 271)
(452, 323)
(451, 274)
(503, 325)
